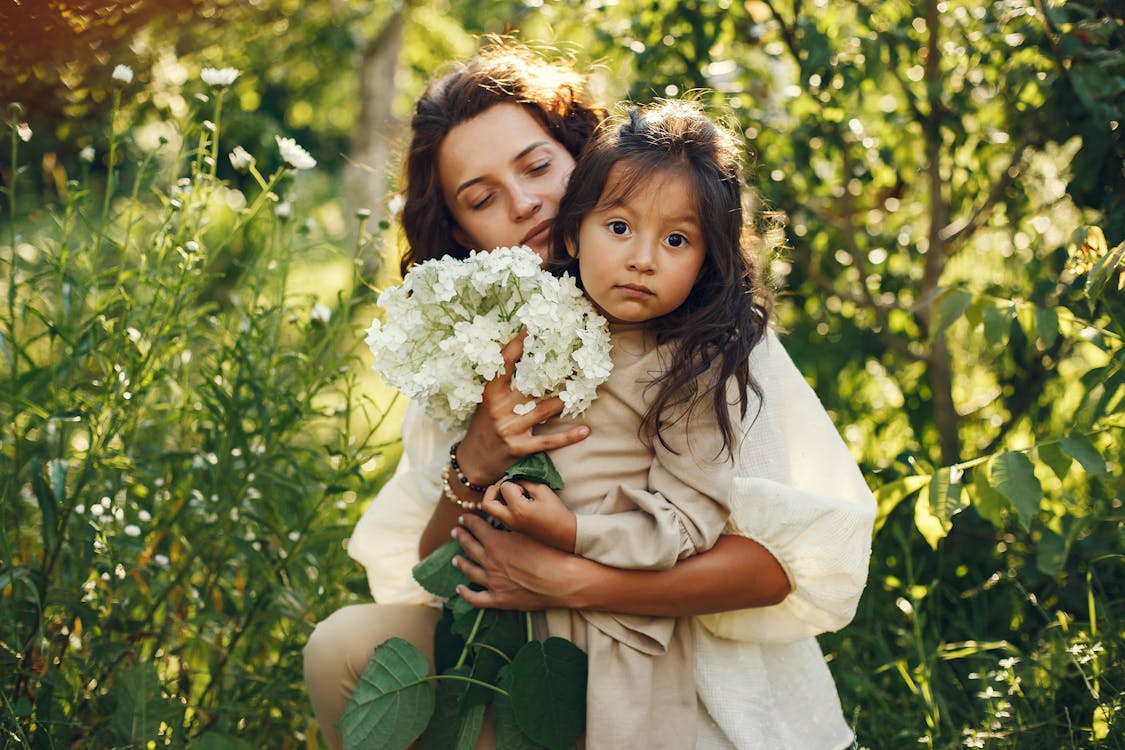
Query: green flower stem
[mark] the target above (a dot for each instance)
(108, 197)
(215, 135)
(494, 650)
(469, 640)
(530, 631)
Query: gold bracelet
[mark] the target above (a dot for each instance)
(447, 492)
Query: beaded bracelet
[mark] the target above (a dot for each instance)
(447, 492)
(460, 474)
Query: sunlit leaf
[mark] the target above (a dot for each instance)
(1052, 455)
(949, 306)
(890, 495)
(1085, 453)
(945, 496)
(929, 525)
(1103, 272)
(141, 705)
(393, 701)
(997, 324)
(1013, 476)
(1047, 325)
(538, 467)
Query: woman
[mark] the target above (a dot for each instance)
(493, 146)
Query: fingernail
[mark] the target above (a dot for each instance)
(453, 531)
(583, 431)
(455, 561)
(460, 519)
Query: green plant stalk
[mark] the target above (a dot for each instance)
(215, 138)
(470, 639)
(107, 199)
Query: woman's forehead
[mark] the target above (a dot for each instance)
(488, 144)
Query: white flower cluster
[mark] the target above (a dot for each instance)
(292, 155)
(450, 318)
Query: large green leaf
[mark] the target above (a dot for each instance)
(997, 324)
(949, 306)
(393, 701)
(946, 499)
(538, 467)
(1052, 455)
(509, 736)
(548, 689)
(436, 573)
(989, 503)
(1013, 476)
(929, 525)
(141, 705)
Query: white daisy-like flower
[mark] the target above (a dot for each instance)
(23, 130)
(293, 155)
(321, 313)
(123, 74)
(219, 77)
(446, 324)
(241, 159)
(87, 155)
(284, 210)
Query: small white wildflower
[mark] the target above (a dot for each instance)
(293, 155)
(80, 509)
(219, 77)
(132, 530)
(23, 130)
(321, 313)
(87, 155)
(241, 159)
(160, 559)
(144, 516)
(283, 210)
(123, 73)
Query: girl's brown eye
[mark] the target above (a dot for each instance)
(675, 239)
(618, 227)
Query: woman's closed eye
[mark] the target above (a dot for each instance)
(540, 167)
(482, 202)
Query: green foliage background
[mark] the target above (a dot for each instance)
(186, 437)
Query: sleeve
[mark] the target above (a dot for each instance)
(799, 493)
(681, 512)
(385, 541)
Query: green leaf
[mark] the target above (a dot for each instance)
(945, 496)
(538, 467)
(1085, 453)
(216, 741)
(455, 724)
(929, 525)
(1103, 270)
(890, 495)
(1047, 324)
(141, 705)
(1013, 476)
(48, 504)
(1052, 455)
(509, 736)
(951, 305)
(447, 644)
(393, 702)
(997, 324)
(1051, 554)
(436, 573)
(989, 503)
(548, 689)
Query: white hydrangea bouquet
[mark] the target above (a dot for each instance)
(447, 322)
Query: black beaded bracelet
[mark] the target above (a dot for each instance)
(460, 474)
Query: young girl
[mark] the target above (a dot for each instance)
(652, 228)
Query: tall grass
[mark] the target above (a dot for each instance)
(181, 442)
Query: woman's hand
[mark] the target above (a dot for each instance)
(516, 571)
(532, 509)
(497, 437)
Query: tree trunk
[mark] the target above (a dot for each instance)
(365, 176)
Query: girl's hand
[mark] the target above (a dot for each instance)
(516, 571)
(532, 509)
(497, 437)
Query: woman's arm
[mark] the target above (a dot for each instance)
(496, 438)
(520, 573)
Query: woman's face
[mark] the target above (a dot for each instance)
(502, 176)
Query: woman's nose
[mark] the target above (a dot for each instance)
(524, 204)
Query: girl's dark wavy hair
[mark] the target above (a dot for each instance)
(502, 72)
(727, 311)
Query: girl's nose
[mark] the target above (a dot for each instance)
(642, 258)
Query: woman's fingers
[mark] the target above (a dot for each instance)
(511, 353)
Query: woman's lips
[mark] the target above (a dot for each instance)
(539, 233)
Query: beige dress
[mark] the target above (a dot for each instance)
(640, 504)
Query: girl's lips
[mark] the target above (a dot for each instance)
(539, 233)
(635, 291)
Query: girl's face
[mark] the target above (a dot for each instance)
(640, 258)
(502, 176)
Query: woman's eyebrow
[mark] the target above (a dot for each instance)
(469, 183)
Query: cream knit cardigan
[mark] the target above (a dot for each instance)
(761, 679)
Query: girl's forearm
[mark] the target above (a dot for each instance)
(734, 574)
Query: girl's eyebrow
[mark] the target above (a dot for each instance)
(469, 183)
